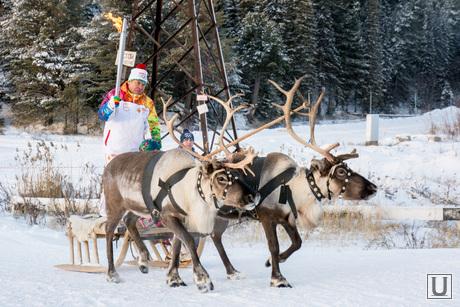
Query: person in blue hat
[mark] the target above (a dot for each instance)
(187, 139)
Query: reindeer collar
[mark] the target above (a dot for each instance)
(231, 179)
(313, 186)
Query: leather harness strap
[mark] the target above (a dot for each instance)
(154, 205)
(285, 193)
(166, 187)
(275, 182)
(147, 182)
(313, 186)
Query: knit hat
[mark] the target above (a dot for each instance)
(139, 73)
(186, 135)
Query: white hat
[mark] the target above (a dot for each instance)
(139, 73)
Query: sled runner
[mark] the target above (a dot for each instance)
(81, 231)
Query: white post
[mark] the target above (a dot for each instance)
(372, 129)
(121, 53)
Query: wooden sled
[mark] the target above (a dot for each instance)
(160, 251)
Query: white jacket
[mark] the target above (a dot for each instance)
(126, 128)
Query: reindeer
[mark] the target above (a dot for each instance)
(184, 193)
(289, 192)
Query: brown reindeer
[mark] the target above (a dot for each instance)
(186, 194)
(290, 192)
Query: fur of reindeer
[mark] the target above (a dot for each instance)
(331, 177)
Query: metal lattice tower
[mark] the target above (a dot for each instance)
(185, 56)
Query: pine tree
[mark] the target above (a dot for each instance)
(443, 44)
(402, 48)
(354, 70)
(388, 23)
(261, 55)
(300, 42)
(34, 57)
(5, 85)
(375, 57)
(232, 18)
(328, 61)
(447, 95)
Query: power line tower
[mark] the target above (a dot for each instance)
(185, 55)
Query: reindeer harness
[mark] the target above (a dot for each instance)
(230, 178)
(154, 205)
(316, 190)
(286, 194)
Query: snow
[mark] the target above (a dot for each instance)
(418, 172)
(320, 276)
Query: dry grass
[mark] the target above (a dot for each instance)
(351, 229)
(41, 176)
(378, 233)
(450, 127)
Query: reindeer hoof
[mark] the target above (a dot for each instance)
(175, 281)
(176, 284)
(144, 269)
(205, 287)
(113, 277)
(235, 276)
(280, 283)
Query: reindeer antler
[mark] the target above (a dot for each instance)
(230, 112)
(353, 154)
(249, 156)
(170, 125)
(286, 108)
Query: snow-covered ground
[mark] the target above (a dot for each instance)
(320, 276)
(418, 172)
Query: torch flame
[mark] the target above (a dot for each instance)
(116, 21)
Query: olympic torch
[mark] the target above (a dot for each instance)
(121, 53)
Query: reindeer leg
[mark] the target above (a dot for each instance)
(295, 239)
(173, 278)
(112, 222)
(278, 279)
(201, 277)
(296, 243)
(130, 221)
(216, 236)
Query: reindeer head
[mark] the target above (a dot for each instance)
(337, 179)
(225, 186)
(220, 181)
(329, 175)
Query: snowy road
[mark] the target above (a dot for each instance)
(320, 276)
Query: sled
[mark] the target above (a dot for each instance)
(93, 229)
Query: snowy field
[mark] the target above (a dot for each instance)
(320, 276)
(415, 172)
